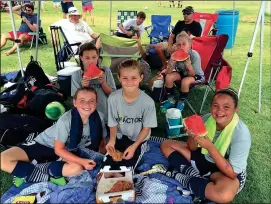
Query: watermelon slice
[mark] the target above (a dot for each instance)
(179, 56)
(93, 72)
(196, 125)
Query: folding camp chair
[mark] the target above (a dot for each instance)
(161, 24)
(206, 20)
(116, 49)
(210, 49)
(123, 16)
(63, 50)
(42, 37)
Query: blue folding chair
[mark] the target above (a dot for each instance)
(161, 24)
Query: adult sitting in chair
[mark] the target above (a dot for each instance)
(212, 166)
(76, 30)
(191, 27)
(28, 24)
(132, 28)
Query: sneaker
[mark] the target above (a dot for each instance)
(158, 168)
(180, 105)
(17, 181)
(167, 104)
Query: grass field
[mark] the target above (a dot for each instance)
(258, 184)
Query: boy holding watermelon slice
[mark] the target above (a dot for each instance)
(184, 66)
(100, 78)
(213, 166)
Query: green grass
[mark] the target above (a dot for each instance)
(258, 185)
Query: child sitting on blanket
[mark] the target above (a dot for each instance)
(105, 84)
(188, 72)
(59, 145)
(131, 115)
(221, 156)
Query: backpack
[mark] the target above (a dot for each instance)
(16, 128)
(34, 75)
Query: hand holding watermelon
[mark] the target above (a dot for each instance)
(195, 126)
(93, 72)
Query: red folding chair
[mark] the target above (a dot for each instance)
(206, 21)
(210, 49)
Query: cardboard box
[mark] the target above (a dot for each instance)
(106, 183)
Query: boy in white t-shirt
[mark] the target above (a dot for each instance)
(132, 28)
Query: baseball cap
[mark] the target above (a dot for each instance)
(73, 11)
(188, 10)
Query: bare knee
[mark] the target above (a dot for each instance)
(224, 196)
(72, 169)
(166, 147)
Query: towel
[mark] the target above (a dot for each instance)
(95, 126)
(223, 141)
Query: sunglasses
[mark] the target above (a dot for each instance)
(187, 13)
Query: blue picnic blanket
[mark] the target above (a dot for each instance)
(154, 188)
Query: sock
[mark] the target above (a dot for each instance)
(55, 169)
(29, 172)
(183, 95)
(198, 186)
(169, 92)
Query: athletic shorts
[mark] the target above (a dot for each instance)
(121, 145)
(29, 37)
(122, 35)
(198, 78)
(39, 153)
(65, 6)
(88, 8)
(205, 167)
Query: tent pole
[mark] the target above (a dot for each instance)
(233, 15)
(250, 52)
(37, 32)
(110, 23)
(261, 62)
(15, 36)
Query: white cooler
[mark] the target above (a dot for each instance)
(69, 80)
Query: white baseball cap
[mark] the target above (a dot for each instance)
(73, 11)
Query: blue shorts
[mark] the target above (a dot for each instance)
(65, 6)
(205, 167)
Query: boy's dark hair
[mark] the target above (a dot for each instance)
(141, 14)
(85, 47)
(230, 92)
(130, 64)
(88, 89)
(31, 6)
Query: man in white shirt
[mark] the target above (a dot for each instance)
(76, 30)
(132, 28)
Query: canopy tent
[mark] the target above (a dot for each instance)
(260, 19)
(15, 34)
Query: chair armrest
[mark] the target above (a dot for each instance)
(147, 27)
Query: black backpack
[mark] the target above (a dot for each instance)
(34, 75)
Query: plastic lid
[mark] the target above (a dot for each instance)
(173, 113)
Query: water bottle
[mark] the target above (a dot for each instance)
(161, 37)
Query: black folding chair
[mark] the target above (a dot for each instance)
(63, 50)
